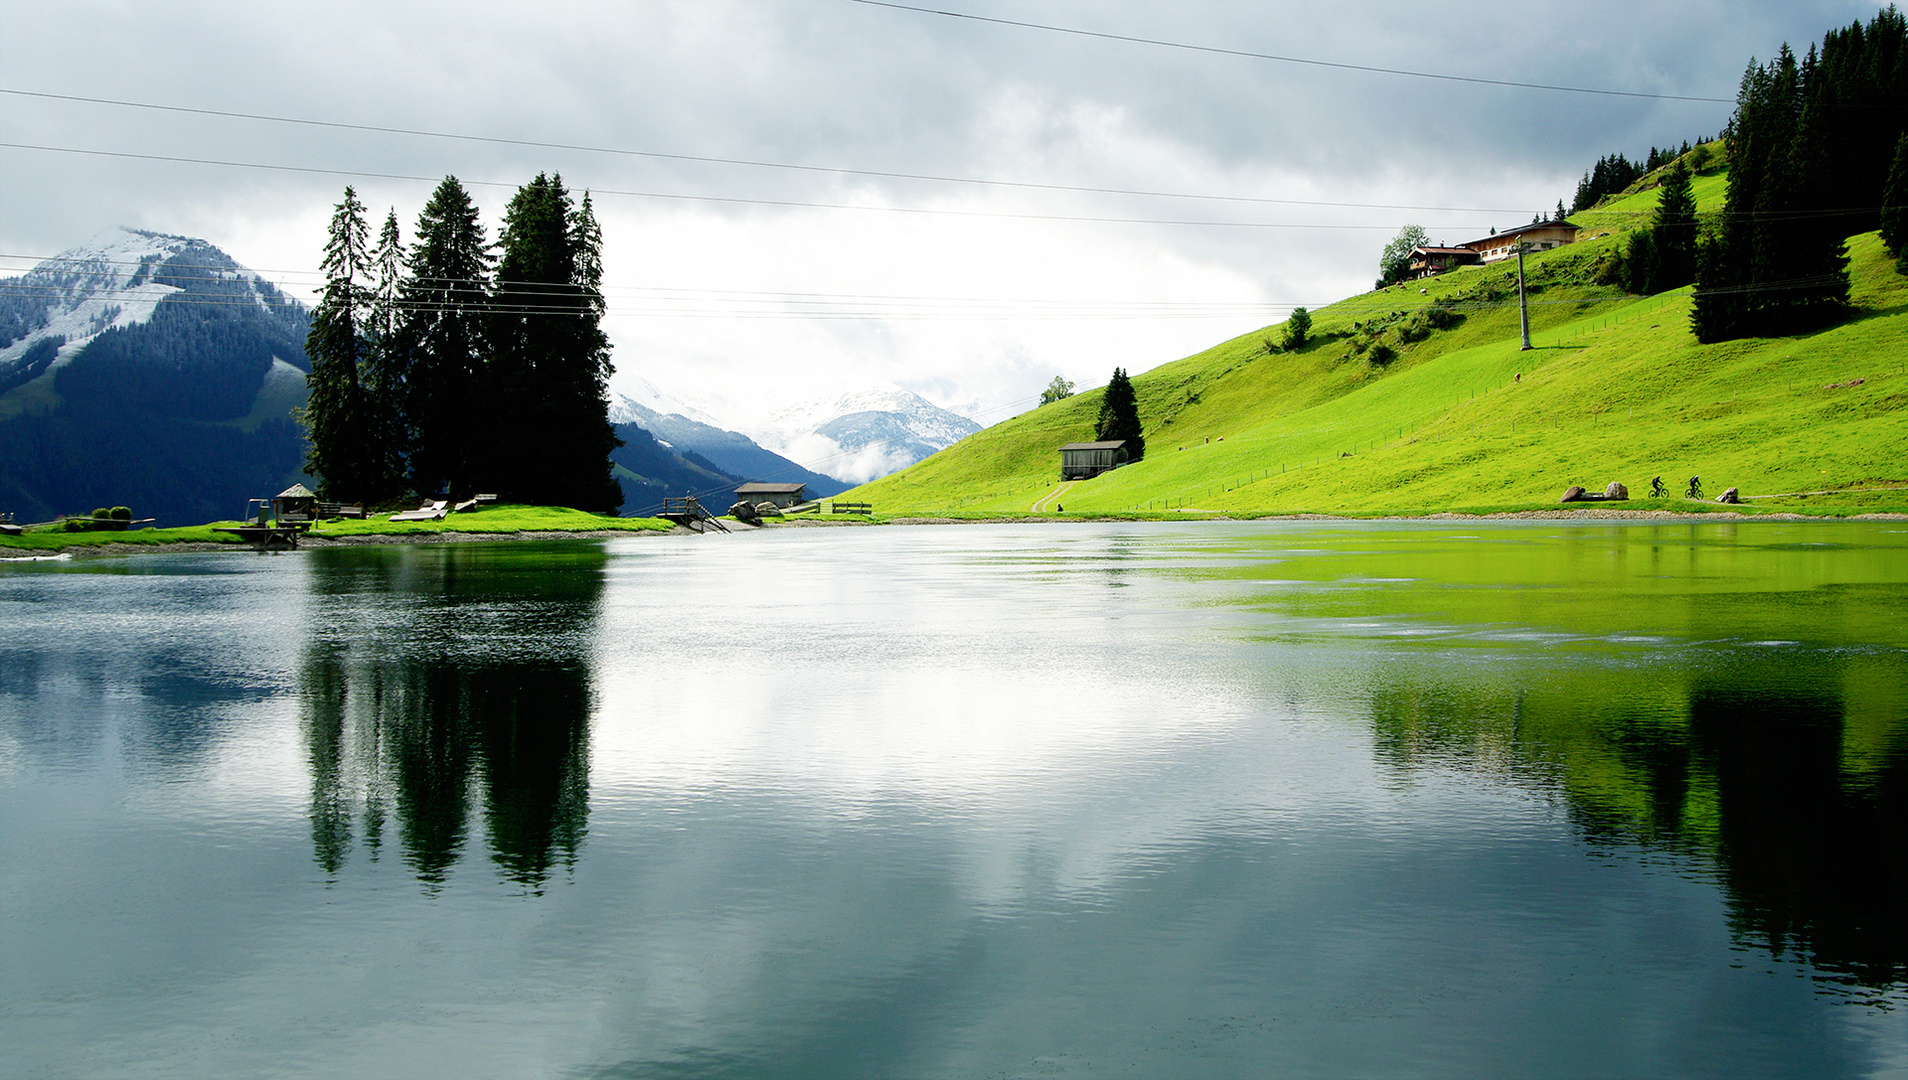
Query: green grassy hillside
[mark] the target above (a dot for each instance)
(1616, 389)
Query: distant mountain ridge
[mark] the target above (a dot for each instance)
(864, 433)
(730, 451)
(147, 370)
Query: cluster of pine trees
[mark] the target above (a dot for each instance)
(1612, 174)
(458, 365)
(1810, 148)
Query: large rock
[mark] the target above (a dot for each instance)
(1729, 496)
(1572, 494)
(1616, 492)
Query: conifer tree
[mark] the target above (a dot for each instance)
(439, 355)
(1119, 415)
(335, 346)
(1674, 232)
(1894, 203)
(550, 362)
(1298, 328)
(381, 375)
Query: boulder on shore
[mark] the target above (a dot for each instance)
(1572, 494)
(1616, 492)
(1729, 496)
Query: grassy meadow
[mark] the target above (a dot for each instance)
(1460, 419)
(493, 520)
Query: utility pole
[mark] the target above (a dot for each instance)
(1523, 305)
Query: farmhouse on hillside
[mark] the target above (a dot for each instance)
(1085, 460)
(1541, 236)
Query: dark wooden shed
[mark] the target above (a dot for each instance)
(779, 495)
(1084, 460)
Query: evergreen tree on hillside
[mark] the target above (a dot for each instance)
(1663, 256)
(1894, 212)
(438, 356)
(1298, 328)
(1674, 231)
(335, 345)
(550, 362)
(1119, 415)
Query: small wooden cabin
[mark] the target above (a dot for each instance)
(1085, 460)
(1432, 261)
(296, 504)
(781, 496)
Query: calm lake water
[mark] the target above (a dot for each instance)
(1419, 799)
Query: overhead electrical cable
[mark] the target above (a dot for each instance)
(660, 155)
(1307, 61)
(726, 199)
(357, 174)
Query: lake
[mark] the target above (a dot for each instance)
(1440, 799)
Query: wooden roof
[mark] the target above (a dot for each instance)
(1487, 241)
(1113, 445)
(757, 488)
(298, 491)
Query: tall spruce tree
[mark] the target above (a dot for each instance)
(1674, 231)
(441, 345)
(1119, 415)
(335, 346)
(550, 360)
(381, 376)
(1894, 212)
(1663, 256)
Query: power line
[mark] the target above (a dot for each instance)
(660, 155)
(728, 199)
(1307, 61)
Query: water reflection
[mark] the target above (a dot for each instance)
(1758, 768)
(443, 684)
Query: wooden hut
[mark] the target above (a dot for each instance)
(295, 505)
(781, 496)
(1085, 460)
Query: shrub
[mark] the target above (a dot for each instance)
(1382, 354)
(122, 513)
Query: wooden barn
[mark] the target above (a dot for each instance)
(1085, 460)
(782, 496)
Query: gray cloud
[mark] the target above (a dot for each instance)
(842, 84)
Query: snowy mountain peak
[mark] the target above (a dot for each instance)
(636, 391)
(864, 433)
(114, 280)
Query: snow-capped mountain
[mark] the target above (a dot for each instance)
(114, 281)
(151, 371)
(730, 451)
(863, 434)
(638, 395)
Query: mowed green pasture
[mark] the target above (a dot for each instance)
(504, 519)
(1616, 388)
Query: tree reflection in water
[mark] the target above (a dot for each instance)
(1783, 774)
(436, 677)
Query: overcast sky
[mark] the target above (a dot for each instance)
(975, 304)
